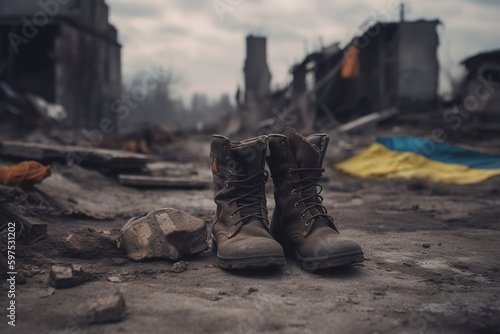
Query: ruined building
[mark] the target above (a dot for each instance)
(257, 74)
(480, 90)
(396, 66)
(67, 52)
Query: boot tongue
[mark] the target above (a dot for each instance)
(307, 153)
(250, 158)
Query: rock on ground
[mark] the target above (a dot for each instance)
(87, 243)
(108, 308)
(163, 233)
(179, 267)
(63, 276)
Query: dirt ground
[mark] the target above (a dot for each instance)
(432, 264)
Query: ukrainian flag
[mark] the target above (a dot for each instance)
(421, 159)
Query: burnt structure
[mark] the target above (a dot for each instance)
(398, 67)
(480, 90)
(65, 51)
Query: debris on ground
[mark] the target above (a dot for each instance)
(362, 123)
(25, 174)
(35, 202)
(47, 292)
(163, 233)
(87, 243)
(30, 111)
(114, 279)
(169, 174)
(109, 308)
(192, 182)
(63, 276)
(89, 156)
(26, 228)
(179, 267)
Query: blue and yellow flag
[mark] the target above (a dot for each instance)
(421, 159)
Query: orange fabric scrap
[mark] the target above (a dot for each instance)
(350, 68)
(25, 174)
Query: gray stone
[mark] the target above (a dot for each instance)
(179, 267)
(63, 276)
(163, 233)
(114, 279)
(109, 308)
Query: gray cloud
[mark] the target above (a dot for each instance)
(131, 9)
(171, 30)
(190, 37)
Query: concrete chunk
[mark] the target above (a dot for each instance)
(108, 308)
(163, 233)
(63, 276)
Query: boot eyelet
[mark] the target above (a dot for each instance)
(283, 143)
(294, 191)
(296, 204)
(303, 215)
(307, 224)
(285, 153)
(224, 147)
(227, 185)
(290, 170)
(232, 215)
(229, 205)
(227, 158)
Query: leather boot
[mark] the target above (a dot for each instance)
(241, 236)
(300, 222)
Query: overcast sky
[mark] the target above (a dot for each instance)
(205, 45)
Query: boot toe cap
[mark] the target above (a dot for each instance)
(250, 248)
(335, 247)
(318, 247)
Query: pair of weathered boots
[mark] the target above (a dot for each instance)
(241, 234)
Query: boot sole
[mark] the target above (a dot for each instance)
(249, 262)
(312, 264)
(255, 262)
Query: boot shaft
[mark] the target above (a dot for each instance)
(296, 164)
(228, 158)
(239, 181)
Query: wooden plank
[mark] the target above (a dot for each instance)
(368, 120)
(33, 229)
(88, 156)
(172, 168)
(164, 181)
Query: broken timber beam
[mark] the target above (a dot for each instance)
(164, 181)
(367, 120)
(32, 230)
(98, 157)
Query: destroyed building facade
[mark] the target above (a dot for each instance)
(397, 66)
(480, 89)
(66, 52)
(394, 67)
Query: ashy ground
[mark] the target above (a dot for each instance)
(432, 264)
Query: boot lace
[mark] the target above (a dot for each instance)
(252, 196)
(314, 200)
